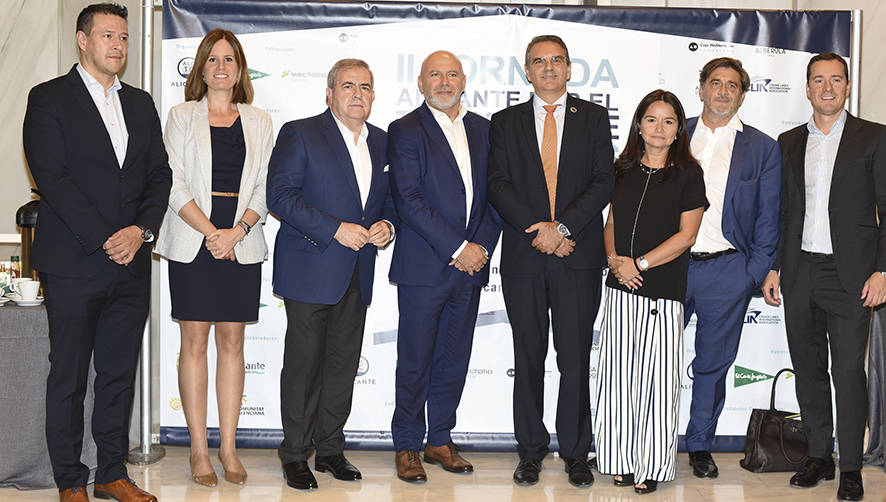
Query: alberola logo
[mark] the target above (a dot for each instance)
(255, 74)
(746, 376)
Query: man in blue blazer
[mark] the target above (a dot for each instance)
(735, 247)
(328, 185)
(438, 156)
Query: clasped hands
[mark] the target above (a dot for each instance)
(221, 242)
(353, 236)
(625, 270)
(123, 244)
(471, 260)
(549, 240)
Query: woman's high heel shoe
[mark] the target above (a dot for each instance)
(238, 478)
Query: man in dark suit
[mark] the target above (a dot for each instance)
(735, 246)
(328, 184)
(94, 146)
(550, 176)
(438, 155)
(832, 260)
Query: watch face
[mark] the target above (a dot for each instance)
(562, 229)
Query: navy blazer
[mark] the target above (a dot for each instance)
(429, 195)
(857, 195)
(312, 189)
(752, 199)
(86, 195)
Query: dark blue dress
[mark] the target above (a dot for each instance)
(218, 290)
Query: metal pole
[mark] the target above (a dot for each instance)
(855, 63)
(147, 453)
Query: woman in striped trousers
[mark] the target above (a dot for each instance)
(654, 216)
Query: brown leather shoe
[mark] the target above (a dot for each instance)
(76, 494)
(123, 490)
(409, 466)
(447, 456)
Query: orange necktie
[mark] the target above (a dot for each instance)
(549, 154)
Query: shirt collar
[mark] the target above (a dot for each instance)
(836, 128)
(349, 134)
(444, 118)
(538, 104)
(734, 124)
(92, 83)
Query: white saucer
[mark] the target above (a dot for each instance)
(26, 303)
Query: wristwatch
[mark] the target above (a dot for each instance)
(642, 264)
(562, 229)
(883, 274)
(147, 235)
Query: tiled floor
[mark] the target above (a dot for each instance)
(170, 480)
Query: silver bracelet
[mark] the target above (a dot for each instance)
(245, 226)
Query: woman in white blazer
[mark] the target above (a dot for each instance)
(219, 147)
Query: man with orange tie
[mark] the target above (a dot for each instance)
(550, 176)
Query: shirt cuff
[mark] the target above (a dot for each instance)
(459, 250)
(393, 230)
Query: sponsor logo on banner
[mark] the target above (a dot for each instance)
(763, 84)
(256, 368)
(363, 367)
(303, 76)
(770, 51)
(745, 376)
(253, 411)
(480, 371)
(362, 370)
(720, 48)
(755, 316)
(175, 403)
(185, 65)
(511, 372)
(255, 74)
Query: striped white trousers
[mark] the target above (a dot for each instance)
(638, 386)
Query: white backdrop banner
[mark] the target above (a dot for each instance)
(618, 56)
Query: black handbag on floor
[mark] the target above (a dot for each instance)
(775, 442)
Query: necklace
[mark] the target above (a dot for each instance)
(649, 170)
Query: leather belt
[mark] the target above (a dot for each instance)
(225, 194)
(813, 254)
(711, 256)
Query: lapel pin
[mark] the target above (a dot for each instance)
(573, 109)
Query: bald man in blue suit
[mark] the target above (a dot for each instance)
(438, 155)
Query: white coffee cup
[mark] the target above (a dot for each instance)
(27, 290)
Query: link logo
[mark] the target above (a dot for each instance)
(746, 376)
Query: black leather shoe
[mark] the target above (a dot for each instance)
(813, 471)
(339, 466)
(850, 486)
(527, 471)
(579, 472)
(299, 475)
(703, 465)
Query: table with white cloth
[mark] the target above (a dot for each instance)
(24, 365)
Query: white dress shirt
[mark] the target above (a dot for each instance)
(821, 152)
(559, 117)
(456, 136)
(108, 105)
(713, 150)
(360, 157)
